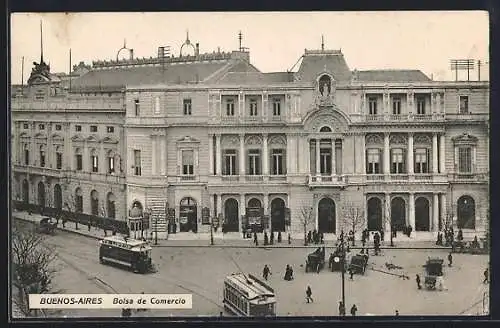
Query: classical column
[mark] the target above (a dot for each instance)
(242, 154)
(33, 150)
(443, 209)
(442, 158)
(266, 203)
(387, 212)
(265, 155)
(387, 157)
(363, 153)
(218, 156)
(435, 213)
(163, 154)
(410, 154)
(87, 166)
(411, 207)
(455, 160)
(307, 158)
(153, 154)
(434, 153)
(68, 149)
(474, 152)
(210, 154)
(334, 163)
(242, 205)
(102, 161)
(318, 158)
(219, 204)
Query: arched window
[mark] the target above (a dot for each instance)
(254, 203)
(57, 197)
(78, 200)
(111, 161)
(78, 159)
(26, 154)
(94, 160)
(59, 157)
(466, 212)
(325, 129)
(111, 210)
(41, 194)
(325, 85)
(42, 156)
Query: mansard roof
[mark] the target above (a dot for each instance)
(316, 61)
(255, 78)
(391, 75)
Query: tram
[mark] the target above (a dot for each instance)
(131, 253)
(247, 296)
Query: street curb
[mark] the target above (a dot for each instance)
(62, 229)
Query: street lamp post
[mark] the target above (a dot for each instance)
(342, 271)
(211, 230)
(156, 230)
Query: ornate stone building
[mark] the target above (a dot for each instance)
(209, 137)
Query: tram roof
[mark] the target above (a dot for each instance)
(251, 286)
(132, 243)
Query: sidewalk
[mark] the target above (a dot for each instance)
(232, 239)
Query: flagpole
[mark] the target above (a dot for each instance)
(22, 77)
(70, 69)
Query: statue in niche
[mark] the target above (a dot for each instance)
(325, 85)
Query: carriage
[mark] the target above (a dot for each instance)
(47, 225)
(335, 262)
(358, 263)
(316, 260)
(433, 272)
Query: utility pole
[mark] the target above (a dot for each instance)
(212, 231)
(479, 70)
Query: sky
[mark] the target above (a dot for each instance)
(369, 40)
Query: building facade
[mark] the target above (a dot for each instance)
(209, 138)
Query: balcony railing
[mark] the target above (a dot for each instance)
(423, 176)
(403, 117)
(230, 178)
(66, 104)
(326, 180)
(254, 178)
(375, 177)
(399, 177)
(277, 178)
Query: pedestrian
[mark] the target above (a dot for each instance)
(354, 309)
(287, 273)
(89, 224)
(322, 238)
(417, 279)
(255, 241)
(486, 276)
(64, 222)
(289, 239)
(397, 313)
(341, 309)
(309, 237)
(309, 295)
(382, 235)
(271, 240)
(266, 272)
(351, 274)
(450, 260)
(221, 314)
(279, 236)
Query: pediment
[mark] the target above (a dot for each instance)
(109, 140)
(92, 139)
(40, 136)
(188, 139)
(24, 135)
(57, 136)
(78, 138)
(465, 138)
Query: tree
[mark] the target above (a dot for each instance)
(32, 266)
(353, 217)
(388, 219)
(71, 208)
(306, 219)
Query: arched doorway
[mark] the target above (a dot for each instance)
(278, 215)
(188, 217)
(398, 214)
(57, 197)
(231, 222)
(422, 219)
(41, 194)
(78, 200)
(466, 213)
(374, 214)
(254, 215)
(26, 191)
(110, 205)
(326, 216)
(94, 203)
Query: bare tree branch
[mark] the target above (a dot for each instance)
(353, 217)
(306, 219)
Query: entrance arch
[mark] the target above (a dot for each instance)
(41, 194)
(466, 213)
(398, 214)
(422, 219)
(375, 214)
(94, 203)
(326, 216)
(110, 206)
(231, 215)
(57, 197)
(188, 217)
(278, 215)
(26, 191)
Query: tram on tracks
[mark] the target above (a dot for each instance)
(248, 296)
(131, 253)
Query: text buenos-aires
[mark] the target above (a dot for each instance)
(71, 300)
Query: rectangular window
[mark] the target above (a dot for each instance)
(137, 162)
(277, 167)
(187, 106)
(372, 105)
(26, 126)
(277, 107)
(230, 107)
(253, 107)
(465, 159)
(95, 163)
(110, 129)
(93, 128)
(254, 162)
(78, 128)
(79, 162)
(397, 161)
(187, 162)
(26, 157)
(41, 126)
(421, 160)
(396, 106)
(42, 158)
(420, 105)
(230, 162)
(136, 107)
(325, 156)
(58, 127)
(111, 164)
(464, 104)
(157, 105)
(373, 161)
(59, 161)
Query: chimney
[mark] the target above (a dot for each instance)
(131, 53)
(197, 51)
